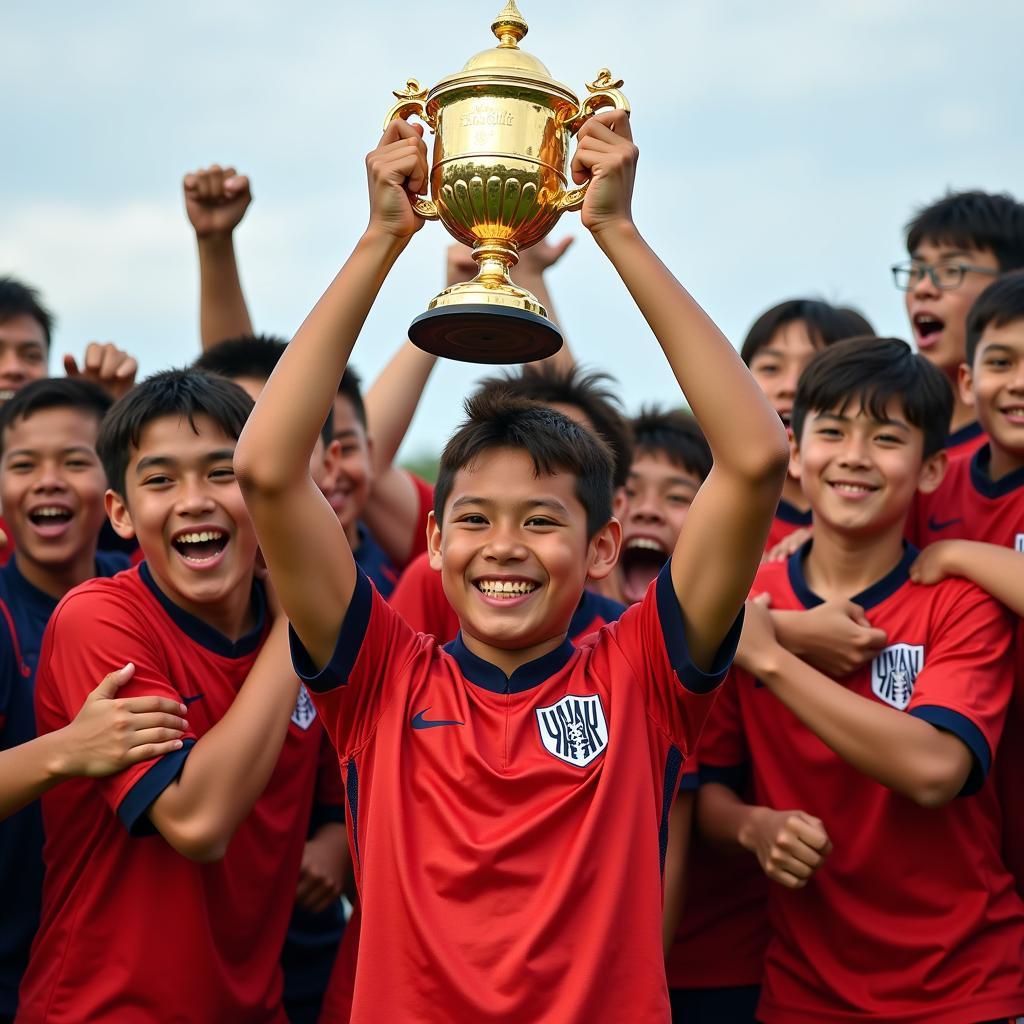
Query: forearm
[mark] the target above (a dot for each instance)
(744, 432)
(794, 631)
(722, 818)
(229, 767)
(563, 359)
(29, 770)
(904, 753)
(274, 448)
(392, 400)
(222, 309)
(997, 570)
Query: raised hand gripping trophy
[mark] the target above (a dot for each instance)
(498, 183)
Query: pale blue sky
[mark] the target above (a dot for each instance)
(783, 148)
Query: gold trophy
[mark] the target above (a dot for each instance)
(498, 183)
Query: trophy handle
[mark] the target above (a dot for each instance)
(604, 92)
(409, 102)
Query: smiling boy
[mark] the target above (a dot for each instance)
(873, 809)
(203, 843)
(509, 793)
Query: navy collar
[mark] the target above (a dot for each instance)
(791, 514)
(483, 674)
(28, 593)
(873, 595)
(963, 435)
(981, 462)
(203, 633)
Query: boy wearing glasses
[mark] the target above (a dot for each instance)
(957, 246)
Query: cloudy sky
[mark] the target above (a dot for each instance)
(783, 148)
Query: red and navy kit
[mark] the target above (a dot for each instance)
(970, 505)
(912, 918)
(788, 519)
(509, 833)
(133, 932)
(24, 612)
(420, 599)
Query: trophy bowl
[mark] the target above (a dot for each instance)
(498, 182)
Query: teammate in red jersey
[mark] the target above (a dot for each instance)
(857, 780)
(777, 347)
(974, 523)
(508, 793)
(198, 851)
(956, 246)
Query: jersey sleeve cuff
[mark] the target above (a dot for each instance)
(346, 649)
(963, 728)
(690, 782)
(734, 777)
(138, 800)
(673, 628)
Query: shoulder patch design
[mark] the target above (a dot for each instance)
(894, 671)
(574, 729)
(304, 712)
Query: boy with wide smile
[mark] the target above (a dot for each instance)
(509, 793)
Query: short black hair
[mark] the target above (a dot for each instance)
(54, 393)
(187, 393)
(826, 324)
(873, 372)
(18, 299)
(986, 221)
(999, 304)
(350, 387)
(675, 434)
(589, 391)
(497, 419)
(255, 356)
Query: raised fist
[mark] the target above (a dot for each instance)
(216, 199)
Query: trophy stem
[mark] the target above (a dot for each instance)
(495, 259)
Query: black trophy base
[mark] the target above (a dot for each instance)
(485, 334)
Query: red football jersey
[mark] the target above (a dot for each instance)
(424, 505)
(788, 519)
(7, 548)
(133, 932)
(913, 918)
(970, 505)
(509, 834)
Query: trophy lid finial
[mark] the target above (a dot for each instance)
(509, 26)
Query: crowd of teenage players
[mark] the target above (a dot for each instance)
(844, 842)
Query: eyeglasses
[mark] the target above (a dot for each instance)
(945, 276)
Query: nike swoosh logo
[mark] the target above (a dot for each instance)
(936, 524)
(191, 700)
(419, 722)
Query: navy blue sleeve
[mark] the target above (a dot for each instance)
(964, 729)
(133, 809)
(735, 777)
(350, 640)
(670, 615)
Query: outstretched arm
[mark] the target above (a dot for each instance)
(106, 736)
(315, 578)
(907, 754)
(997, 570)
(718, 553)
(216, 199)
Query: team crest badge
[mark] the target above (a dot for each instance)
(574, 729)
(894, 671)
(304, 712)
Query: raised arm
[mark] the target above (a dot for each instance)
(391, 402)
(718, 553)
(216, 199)
(302, 541)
